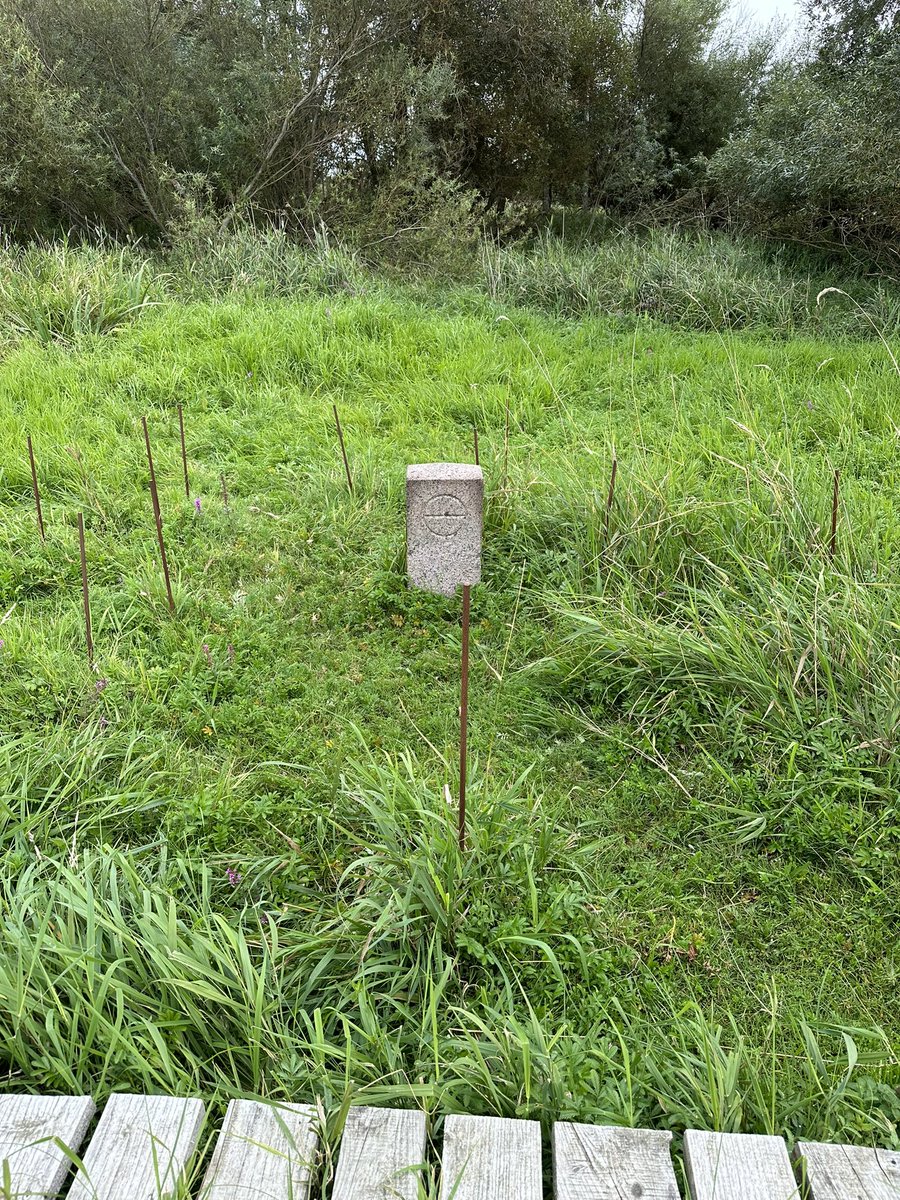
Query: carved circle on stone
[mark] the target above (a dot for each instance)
(445, 515)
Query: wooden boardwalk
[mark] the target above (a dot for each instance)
(143, 1148)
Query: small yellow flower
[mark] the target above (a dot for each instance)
(207, 731)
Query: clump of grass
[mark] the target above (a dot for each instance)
(264, 262)
(670, 1065)
(60, 292)
(111, 963)
(724, 630)
(409, 880)
(695, 279)
(788, 655)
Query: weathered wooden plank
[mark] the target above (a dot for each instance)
(37, 1166)
(606, 1162)
(140, 1149)
(264, 1152)
(738, 1166)
(490, 1158)
(381, 1152)
(849, 1172)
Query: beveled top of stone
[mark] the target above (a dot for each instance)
(438, 471)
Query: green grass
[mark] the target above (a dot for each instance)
(679, 906)
(693, 278)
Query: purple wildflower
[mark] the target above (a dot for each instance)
(234, 877)
(101, 685)
(2, 643)
(197, 504)
(207, 654)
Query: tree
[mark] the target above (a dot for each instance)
(849, 32)
(344, 109)
(46, 169)
(820, 159)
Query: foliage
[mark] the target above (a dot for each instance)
(822, 158)
(694, 80)
(848, 32)
(819, 161)
(47, 169)
(387, 123)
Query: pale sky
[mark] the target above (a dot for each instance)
(788, 13)
(761, 12)
(764, 10)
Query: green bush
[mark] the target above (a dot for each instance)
(820, 161)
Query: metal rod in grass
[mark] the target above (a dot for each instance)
(610, 496)
(506, 444)
(157, 515)
(85, 595)
(464, 715)
(36, 490)
(184, 466)
(477, 455)
(340, 432)
(835, 499)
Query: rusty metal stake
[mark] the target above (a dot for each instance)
(477, 457)
(464, 715)
(832, 548)
(506, 444)
(337, 421)
(609, 501)
(158, 518)
(84, 590)
(36, 490)
(187, 482)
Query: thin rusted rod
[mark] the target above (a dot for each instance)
(832, 546)
(464, 715)
(477, 457)
(506, 444)
(36, 490)
(85, 596)
(158, 518)
(609, 499)
(337, 421)
(184, 466)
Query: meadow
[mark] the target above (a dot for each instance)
(228, 862)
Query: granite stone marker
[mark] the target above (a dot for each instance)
(444, 506)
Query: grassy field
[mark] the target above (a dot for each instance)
(228, 862)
